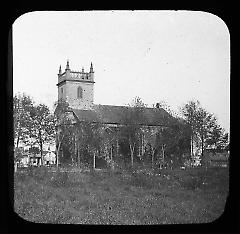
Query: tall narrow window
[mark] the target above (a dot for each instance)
(79, 92)
(61, 95)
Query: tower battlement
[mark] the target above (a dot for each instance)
(76, 75)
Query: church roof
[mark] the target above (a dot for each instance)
(109, 114)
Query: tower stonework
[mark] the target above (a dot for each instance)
(77, 88)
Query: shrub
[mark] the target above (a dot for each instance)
(140, 181)
(60, 179)
(38, 173)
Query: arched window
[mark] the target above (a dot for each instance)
(61, 93)
(79, 92)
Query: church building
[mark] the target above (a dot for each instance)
(77, 88)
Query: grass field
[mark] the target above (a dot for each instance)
(103, 197)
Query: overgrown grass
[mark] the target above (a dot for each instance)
(126, 197)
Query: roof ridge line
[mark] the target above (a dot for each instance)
(152, 108)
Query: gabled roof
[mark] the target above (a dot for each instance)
(109, 114)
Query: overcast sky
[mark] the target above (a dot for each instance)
(174, 56)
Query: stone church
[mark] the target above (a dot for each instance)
(77, 88)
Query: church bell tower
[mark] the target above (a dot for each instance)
(76, 87)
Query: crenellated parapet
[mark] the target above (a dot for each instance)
(71, 75)
(81, 75)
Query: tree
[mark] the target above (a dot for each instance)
(203, 126)
(80, 138)
(34, 150)
(63, 125)
(109, 138)
(189, 111)
(95, 140)
(41, 127)
(163, 104)
(174, 140)
(132, 129)
(90, 138)
(153, 141)
(217, 138)
(32, 123)
(22, 104)
(223, 142)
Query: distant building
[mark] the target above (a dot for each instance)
(35, 160)
(49, 158)
(24, 161)
(77, 88)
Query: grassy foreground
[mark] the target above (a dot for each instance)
(103, 197)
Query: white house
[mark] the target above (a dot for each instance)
(24, 161)
(49, 158)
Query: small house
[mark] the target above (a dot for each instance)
(35, 160)
(23, 161)
(49, 158)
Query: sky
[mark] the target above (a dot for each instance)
(171, 56)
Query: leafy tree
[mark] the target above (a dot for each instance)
(18, 153)
(171, 140)
(90, 138)
(203, 126)
(63, 126)
(217, 138)
(34, 150)
(132, 130)
(164, 105)
(41, 127)
(84, 135)
(22, 104)
(79, 138)
(154, 142)
(32, 123)
(189, 111)
(223, 142)
(94, 140)
(109, 138)
(174, 141)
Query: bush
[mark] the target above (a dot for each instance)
(140, 180)
(38, 173)
(60, 179)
